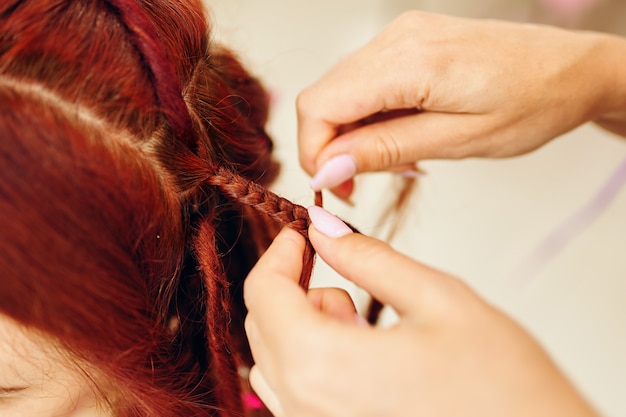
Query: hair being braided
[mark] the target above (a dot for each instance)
(263, 200)
(176, 111)
(204, 164)
(230, 177)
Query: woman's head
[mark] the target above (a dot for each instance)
(38, 379)
(128, 146)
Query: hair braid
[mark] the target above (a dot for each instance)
(265, 201)
(228, 389)
(154, 141)
(260, 198)
(287, 213)
(200, 166)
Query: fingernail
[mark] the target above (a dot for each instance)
(334, 172)
(411, 174)
(326, 223)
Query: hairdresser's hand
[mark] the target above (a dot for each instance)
(484, 89)
(451, 354)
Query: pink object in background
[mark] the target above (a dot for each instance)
(571, 228)
(252, 402)
(570, 9)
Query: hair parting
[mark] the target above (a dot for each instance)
(169, 94)
(134, 198)
(175, 110)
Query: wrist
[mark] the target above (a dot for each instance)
(611, 64)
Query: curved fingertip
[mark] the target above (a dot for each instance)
(334, 172)
(335, 303)
(328, 224)
(282, 260)
(287, 233)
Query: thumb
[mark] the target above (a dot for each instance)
(371, 264)
(403, 140)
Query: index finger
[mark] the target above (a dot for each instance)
(324, 108)
(369, 81)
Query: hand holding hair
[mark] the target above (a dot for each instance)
(437, 87)
(450, 354)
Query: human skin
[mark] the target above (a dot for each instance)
(450, 354)
(483, 88)
(37, 379)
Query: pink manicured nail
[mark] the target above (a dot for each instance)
(326, 223)
(411, 174)
(334, 172)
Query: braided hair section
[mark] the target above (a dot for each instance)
(225, 365)
(265, 201)
(174, 108)
(219, 158)
(219, 148)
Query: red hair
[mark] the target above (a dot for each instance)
(132, 196)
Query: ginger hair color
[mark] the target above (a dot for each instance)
(134, 163)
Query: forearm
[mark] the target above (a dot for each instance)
(612, 64)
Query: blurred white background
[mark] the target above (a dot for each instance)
(480, 220)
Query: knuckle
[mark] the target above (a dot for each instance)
(452, 302)
(250, 285)
(303, 101)
(250, 329)
(307, 116)
(307, 162)
(387, 150)
(410, 22)
(409, 18)
(412, 15)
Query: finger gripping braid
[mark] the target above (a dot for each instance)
(287, 213)
(263, 200)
